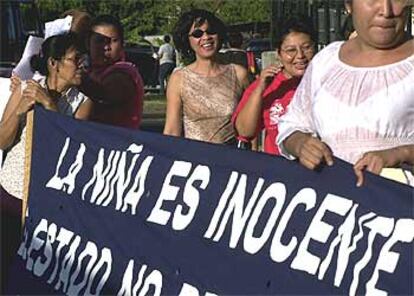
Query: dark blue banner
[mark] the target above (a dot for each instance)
(119, 212)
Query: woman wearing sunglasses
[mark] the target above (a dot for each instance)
(202, 96)
(266, 99)
(59, 63)
(356, 99)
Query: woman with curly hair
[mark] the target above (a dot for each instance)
(202, 96)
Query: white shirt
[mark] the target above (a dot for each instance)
(352, 109)
(166, 53)
(12, 172)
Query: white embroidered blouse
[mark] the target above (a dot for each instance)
(352, 109)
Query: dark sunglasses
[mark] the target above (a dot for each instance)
(197, 33)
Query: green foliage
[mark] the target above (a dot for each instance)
(152, 17)
(235, 12)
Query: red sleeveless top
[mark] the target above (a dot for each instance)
(130, 114)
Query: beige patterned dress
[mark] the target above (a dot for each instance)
(208, 104)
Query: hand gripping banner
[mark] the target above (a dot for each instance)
(121, 212)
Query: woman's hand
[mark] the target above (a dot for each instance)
(267, 75)
(15, 83)
(310, 151)
(375, 161)
(24, 105)
(34, 92)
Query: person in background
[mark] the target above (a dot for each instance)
(266, 99)
(355, 101)
(166, 57)
(115, 86)
(202, 96)
(59, 64)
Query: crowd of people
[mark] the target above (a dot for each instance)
(352, 100)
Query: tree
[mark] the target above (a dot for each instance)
(150, 17)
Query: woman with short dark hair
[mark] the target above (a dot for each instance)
(115, 85)
(266, 99)
(60, 62)
(201, 97)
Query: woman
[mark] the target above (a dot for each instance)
(202, 96)
(266, 99)
(114, 85)
(59, 62)
(356, 98)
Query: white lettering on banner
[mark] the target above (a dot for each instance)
(142, 284)
(388, 260)
(189, 290)
(345, 250)
(67, 183)
(277, 192)
(319, 231)
(245, 217)
(191, 195)
(116, 170)
(278, 251)
(134, 194)
(169, 192)
(222, 204)
(118, 178)
(379, 225)
(52, 250)
(235, 207)
(93, 267)
(114, 175)
(345, 238)
(63, 240)
(67, 262)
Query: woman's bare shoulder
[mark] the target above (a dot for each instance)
(177, 74)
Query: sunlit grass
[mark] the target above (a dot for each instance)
(154, 104)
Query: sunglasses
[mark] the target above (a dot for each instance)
(197, 33)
